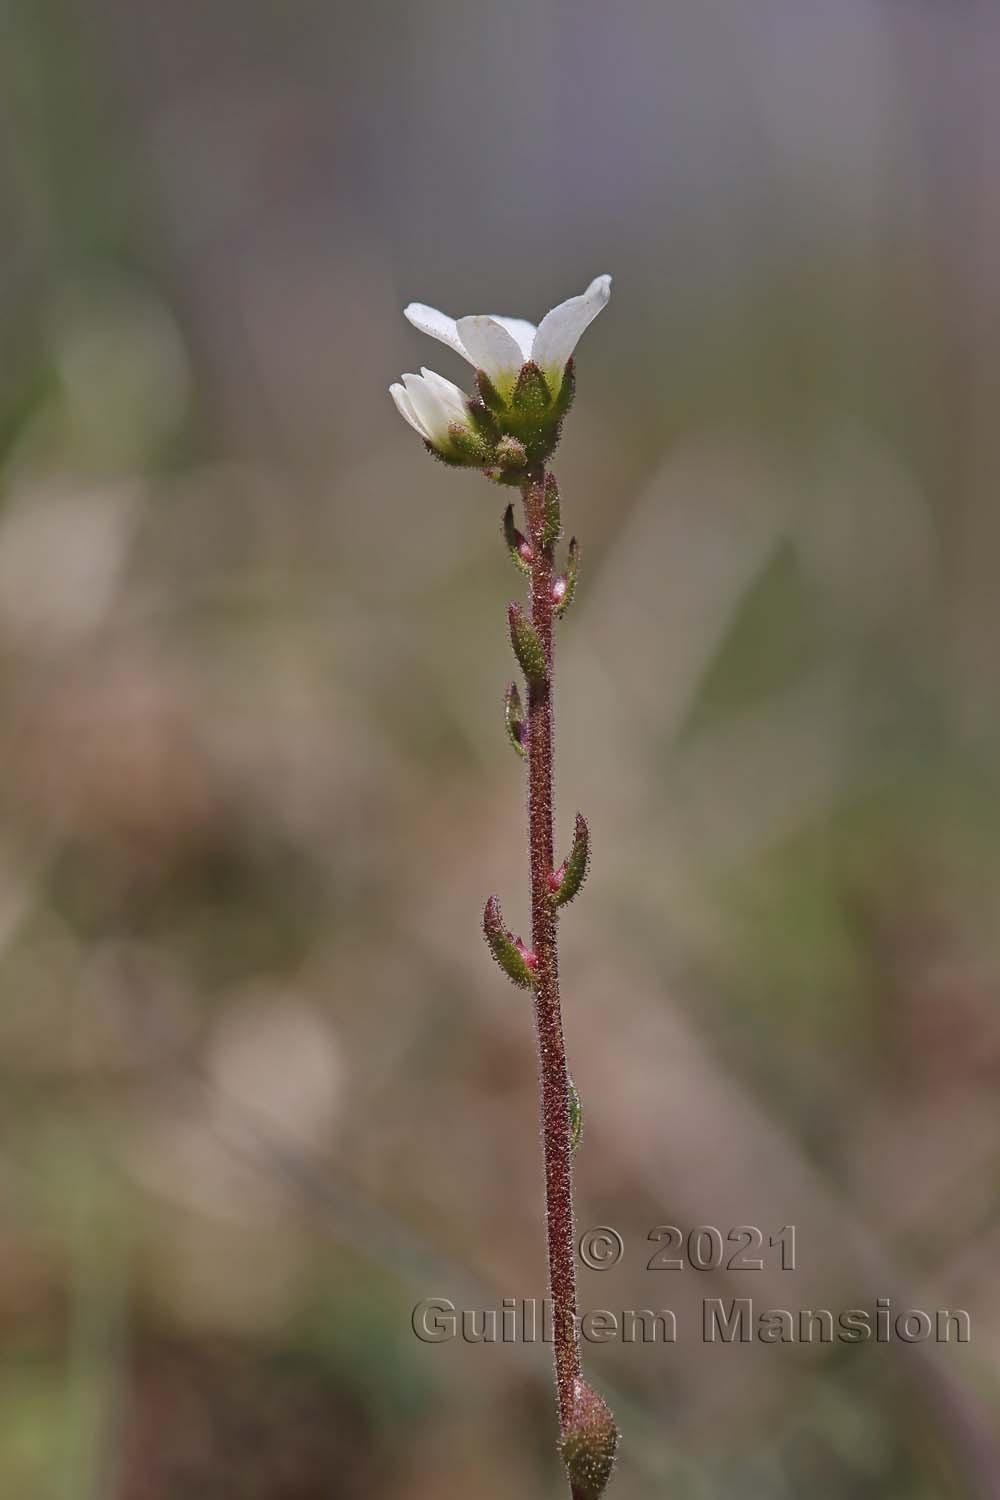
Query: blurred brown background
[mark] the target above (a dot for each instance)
(262, 1089)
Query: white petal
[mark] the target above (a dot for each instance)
(560, 330)
(491, 348)
(449, 394)
(520, 329)
(430, 409)
(437, 324)
(405, 408)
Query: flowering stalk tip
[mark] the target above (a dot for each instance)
(524, 385)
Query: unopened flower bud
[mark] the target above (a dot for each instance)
(511, 453)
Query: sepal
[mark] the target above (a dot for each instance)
(446, 456)
(564, 398)
(567, 880)
(517, 962)
(491, 397)
(531, 399)
(513, 717)
(467, 446)
(483, 420)
(527, 645)
(589, 1443)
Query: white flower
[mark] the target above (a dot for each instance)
(500, 346)
(430, 404)
(524, 385)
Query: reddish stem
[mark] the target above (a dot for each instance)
(548, 1018)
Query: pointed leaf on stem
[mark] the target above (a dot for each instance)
(565, 585)
(575, 1116)
(527, 645)
(567, 880)
(517, 962)
(517, 543)
(513, 716)
(552, 527)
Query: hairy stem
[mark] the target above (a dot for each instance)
(556, 1130)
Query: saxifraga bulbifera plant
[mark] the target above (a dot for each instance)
(525, 381)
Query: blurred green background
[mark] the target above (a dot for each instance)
(262, 1090)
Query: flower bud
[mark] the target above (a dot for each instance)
(589, 1443)
(511, 453)
(525, 381)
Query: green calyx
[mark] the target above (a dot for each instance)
(515, 429)
(532, 416)
(510, 431)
